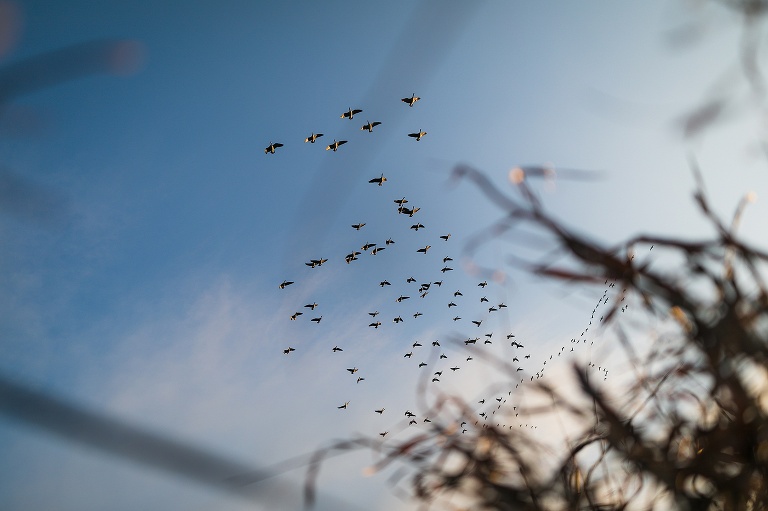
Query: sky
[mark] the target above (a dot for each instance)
(145, 231)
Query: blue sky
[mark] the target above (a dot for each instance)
(146, 283)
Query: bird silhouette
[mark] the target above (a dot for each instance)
(270, 149)
(353, 370)
(446, 259)
(288, 350)
(368, 126)
(483, 284)
(413, 99)
(344, 406)
(416, 227)
(424, 249)
(478, 323)
(377, 250)
(380, 411)
(336, 348)
(457, 293)
(418, 136)
(335, 145)
(378, 180)
(401, 298)
(350, 114)
(422, 364)
(446, 268)
(314, 136)
(295, 315)
(359, 226)
(374, 313)
(409, 280)
(376, 324)
(311, 306)
(285, 284)
(389, 241)
(445, 237)
(384, 283)
(317, 320)
(398, 319)
(314, 263)
(359, 379)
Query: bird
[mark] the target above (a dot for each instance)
(502, 305)
(416, 227)
(435, 343)
(424, 250)
(336, 348)
(389, 241)
(443, 356)
(446, 268)
(422, 364)
(374, 313)
(368, 246)
(295, 315)
(352, 256)
(407, 211)
(350, 113)
(384, 283)
(380, 411)
(317, 320)
(384, 433)
(482, 284)
(335, 145)
(413, 99)
(288, 350)
(313, 263)
(270, 149)
(446, 259)
(438, 373)
(471, 341)
(377, 250)
(418, 136)
(483, 299)
(353, 370)
(492, 309)
(311, 306)
(435, 379)
(314, 136)
(439, 283)
(368, 126)
(378, 180)
(344, 406)
(445, 237)
(409, 280)
(477, 322)
(359, 379)
(417, 314)
(401, 298)
(456, 318)
(416, 344)
(376, 324)
(458, 293)
(408, 355)
(398, 319)
(285, 283)
(451, 304)
(455, 368)
(359, 226)
(400, 202)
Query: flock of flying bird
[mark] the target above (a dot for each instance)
(350, 114)
(457, 299)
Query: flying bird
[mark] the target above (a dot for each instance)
(317, 320)
(400, 202)
(335, 145)
(377, 250)
(389, 241)
(288, 350)
(384, 283)
(376, 325)
(369, 126)
(350, 113)
(406, 211)
(336, 348)
(416, 227)
(295, 315)
(445, 269)
(478, 323)
(398, 319)
(353, 370)
(311, 305)
(409, 280)
(445, 237)
(401, 298)
(422, 364)
(483, 284)
(367, 247)
(359, 379)
(270, 149)
(314, 136)
(446, 259)
(458, 293)
(359, 226)
(344, 406)
(313, 263)
(413, 99)
(379, 180)
(380, 411)
(424, 250)
(285, 283)
(418, 136)
(374, 313)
